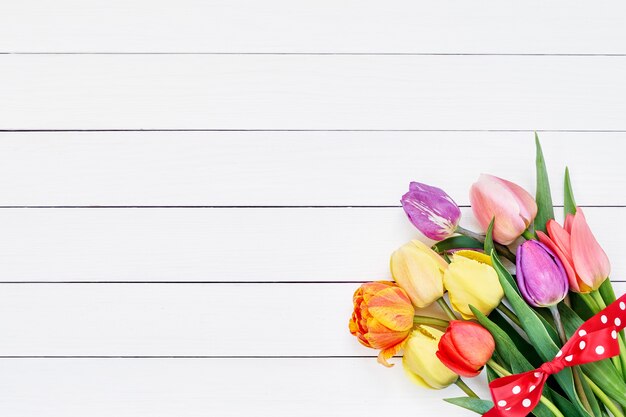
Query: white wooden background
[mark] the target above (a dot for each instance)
(190, 191)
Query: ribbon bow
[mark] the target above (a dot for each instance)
(594, 340)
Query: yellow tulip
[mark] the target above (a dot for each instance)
(471, 280)
(418, 270)
(420, 359)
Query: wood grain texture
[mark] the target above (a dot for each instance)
(225, 245)
(311, 92)
(180, 320)
(322, 26)
(346, 387)
(292, 168)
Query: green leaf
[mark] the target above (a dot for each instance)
(525, 348)
(591, 397)
(602, 373)
(489, 247)
(545, 210)
(537, 333)
(457, 242)
(517, 362)
(489, 238)
(473, 404)
(569, 204)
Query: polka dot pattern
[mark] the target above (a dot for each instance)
(596, 339)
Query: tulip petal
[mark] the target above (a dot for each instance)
(565, 261)
(526, 202)
(470, 282)
(541, 278)
(473, 342)
(449, 355)
(590, 261)
(489, 199)
(419, 271)
(431, 210)
(392, 308)
(481, 257)
(420, 360)
(385, 354)
(560, 237)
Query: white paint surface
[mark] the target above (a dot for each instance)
(215, 276)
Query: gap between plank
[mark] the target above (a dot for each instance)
(264, 207)
(70, 130)
(185, 357)
(530, 54)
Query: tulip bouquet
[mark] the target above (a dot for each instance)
(528, 300)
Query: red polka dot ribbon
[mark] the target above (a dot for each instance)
(596, 339)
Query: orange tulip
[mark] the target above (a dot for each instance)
(382, 318)
(585, 262)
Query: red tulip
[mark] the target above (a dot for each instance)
(465, 347)
(585, 262)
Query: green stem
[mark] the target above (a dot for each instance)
(509, 313)
(604, 398)
(587, 299)
(501, 249)
(559, 324)
(528, 235)
(446, 308)
(498, 368)
(467, 390)
(430, 321)
(578, 383)
(503, 372)
(618, 361)
(598, 299)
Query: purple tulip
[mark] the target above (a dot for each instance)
(541, 276)
(431, 210)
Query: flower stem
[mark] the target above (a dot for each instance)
(598, 299)
(430, 321)
(578, 384)
(604, 398)
(446, 308)
(559, 324)
(467, 390)
(503, 372)
(501, 249)
(528, 235)
(509, 313)
(618, 361)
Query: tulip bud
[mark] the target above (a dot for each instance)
(466, 347)
(419, 271)
(471, 280)
(541, 278)
(420, 359)
(382, 318)
(584, 261)
(513, 208)
(431, 210)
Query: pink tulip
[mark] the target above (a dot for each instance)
(585, 262)
(513, 208)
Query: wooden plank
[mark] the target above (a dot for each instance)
(224, 245)
(292, 168)
(216, 387)
(280, 26)
(312, 92)
(180, 320)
